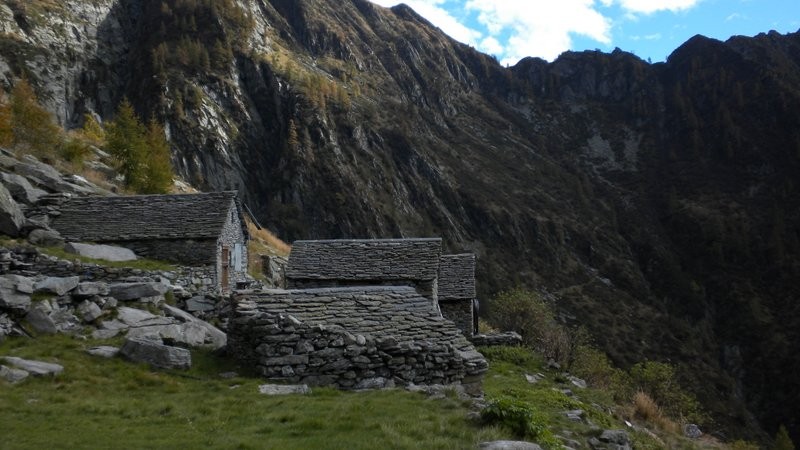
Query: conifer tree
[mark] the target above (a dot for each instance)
(126, 144)
(782, 440)
(159, 170)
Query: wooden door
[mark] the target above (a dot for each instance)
(225, 275)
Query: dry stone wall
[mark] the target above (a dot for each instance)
(351, 338)
(457, 290)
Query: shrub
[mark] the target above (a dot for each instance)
(529, 314)
(658, 380)
(520, 418)
(27, 125)
(594, 366)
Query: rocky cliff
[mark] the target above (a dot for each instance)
(657, 202)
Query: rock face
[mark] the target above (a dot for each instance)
(665, 190)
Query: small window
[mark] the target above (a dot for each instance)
(237, 257)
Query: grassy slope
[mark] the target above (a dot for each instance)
(98, 403)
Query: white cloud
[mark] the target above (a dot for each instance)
(651, 6)
(514, 29)
(540, 28)
(735, 16)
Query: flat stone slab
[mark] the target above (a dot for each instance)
(103, 351)
(100, 251)
(281, 389)
(211, 336)
(156, 354)
(508, 445)
(135, 318)
(134, 291)
(34, 367)
(56, 285)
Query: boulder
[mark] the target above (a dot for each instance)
(100, 251)
(692, 431)
(280, 389)
(619, 439)
(7, 326)
(212, 337)
(33, 367)
(40, 321)
(135, 318)
(89, 311)
(200, 304)
(65, 321)
(156, 354)
(11, 217)
(45, 238)
(12, 375)
(15, 292)
(90, 289)
(508, 445)
(103, 351)
(56, 285)
(21, 189)
(133, 291)
(46, 176)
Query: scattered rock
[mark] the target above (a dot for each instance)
(99, 251)
(508, 445)
(90, 289)
(34, 367)
(212, 337)
(692, 431)
(576, 381)
(156, 354)
(533, 379)
(56, 285)
(12, 375)
(39, 319)
(135, 318)
(21, 189)
(45, 238)
(575, 415)
(134, 291)
(89, 311)
(552, 364)
(228, 375)
(612, 440)
(12, 292)
(65, 321)
(200, 304)
(103, 351)
(279, 389)
(375, 383)
(11, 217)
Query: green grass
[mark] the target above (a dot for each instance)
(99, 403)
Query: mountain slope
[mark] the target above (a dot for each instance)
(657, 203)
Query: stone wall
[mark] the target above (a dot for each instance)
(461, 313)
(199, 252)
(28, 261)
(351, 338)
(457, 290)
(232, 236)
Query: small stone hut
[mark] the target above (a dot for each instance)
(206, 229)
(366, 262)
(457, 290)
(352, 338)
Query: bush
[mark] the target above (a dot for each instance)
(520, 418)
(527, 313)
(27, 125)
(658, 380)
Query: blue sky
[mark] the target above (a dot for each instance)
(513, 29)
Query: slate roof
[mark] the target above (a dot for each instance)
(146, 217)
(457, 277)
(365, 259)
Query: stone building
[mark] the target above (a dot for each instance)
(352, 338)
(366, 262)
(201, 230)
(457, 290)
